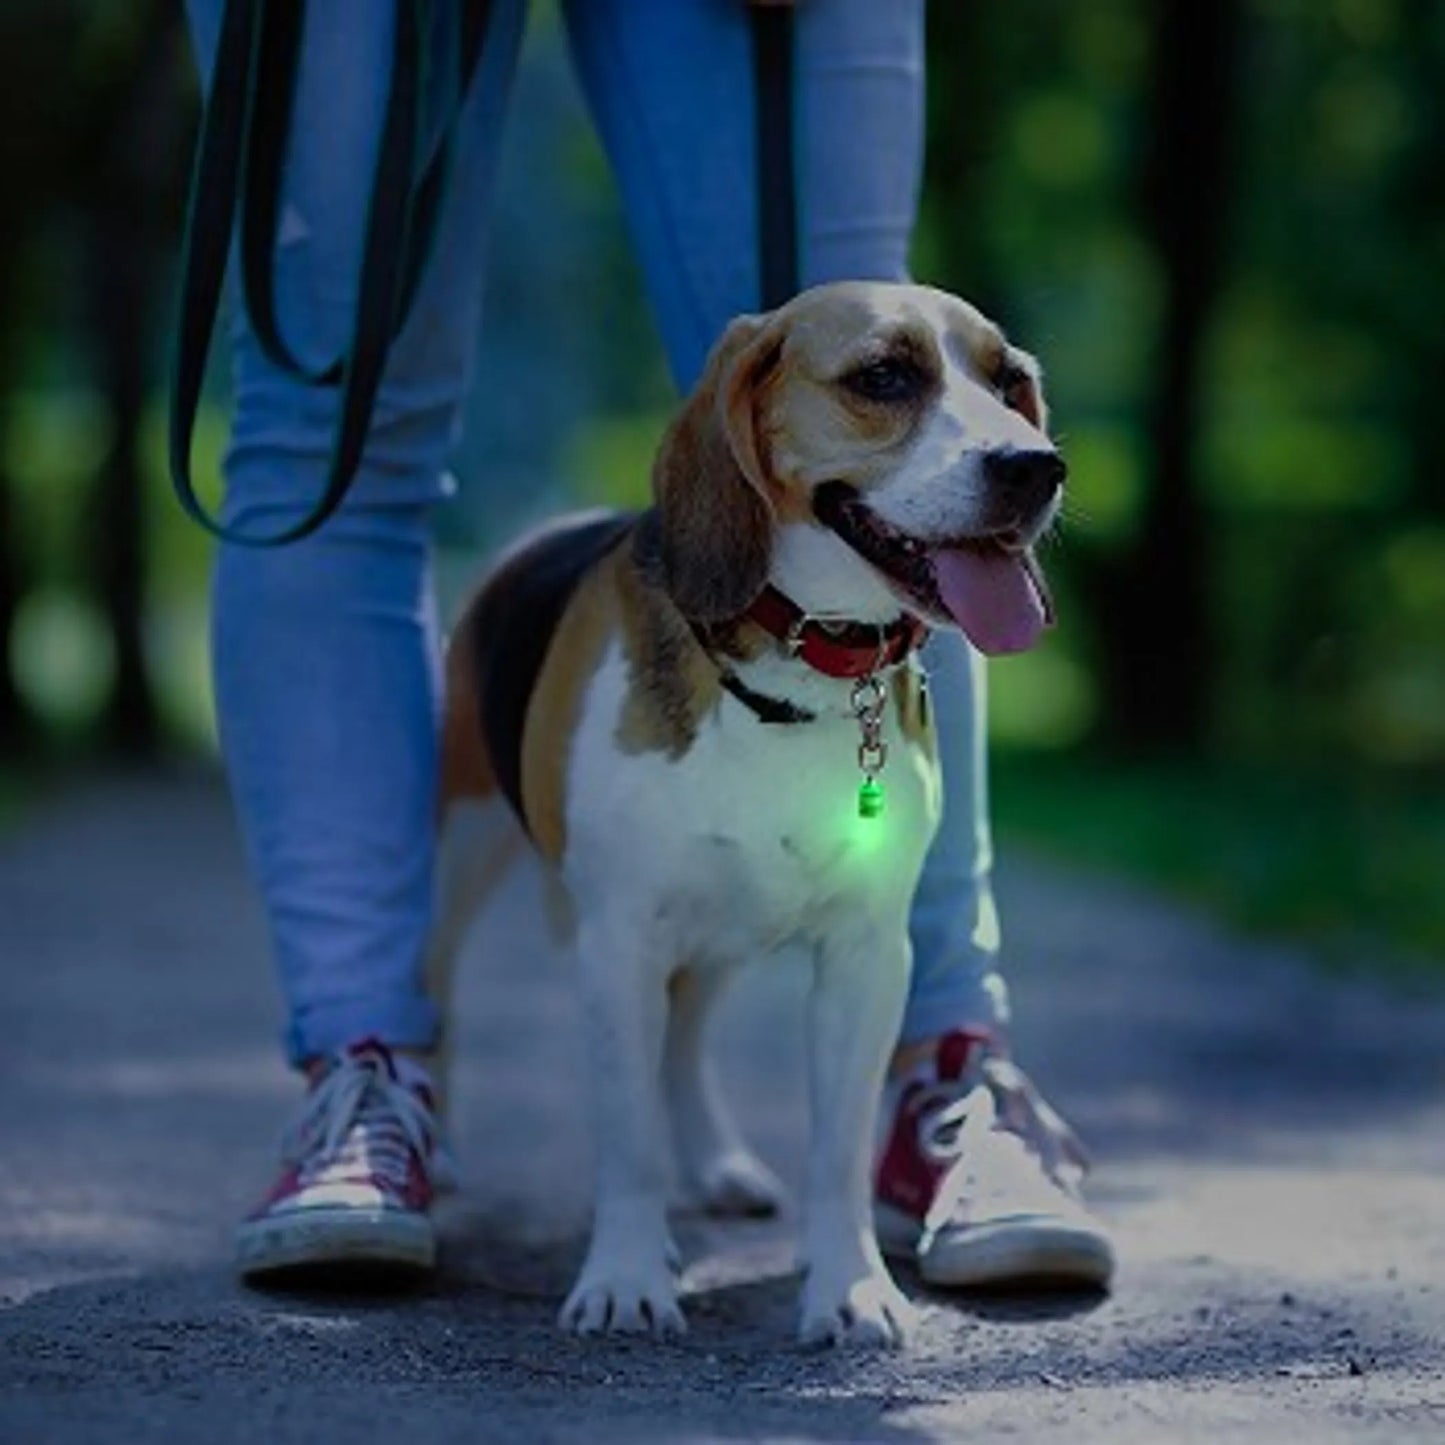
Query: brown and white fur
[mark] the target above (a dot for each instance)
(691, 838)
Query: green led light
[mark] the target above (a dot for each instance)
(870, 798)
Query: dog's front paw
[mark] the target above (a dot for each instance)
(861, 1307)
(623, 1297)
(738, 1183)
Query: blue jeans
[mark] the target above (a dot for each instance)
(326, 652)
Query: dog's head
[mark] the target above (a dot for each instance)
(896, 417)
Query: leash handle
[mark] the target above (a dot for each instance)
(773, 60)
(239, 162)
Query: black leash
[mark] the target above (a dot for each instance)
(777, 169)
(239, 162)
(278, 60)
(766, 709)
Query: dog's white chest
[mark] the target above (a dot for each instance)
(752, 837)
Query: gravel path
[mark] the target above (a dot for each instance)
(1272, 1147)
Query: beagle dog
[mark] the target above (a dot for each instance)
(711, 720)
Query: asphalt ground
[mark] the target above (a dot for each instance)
(1270, 1141)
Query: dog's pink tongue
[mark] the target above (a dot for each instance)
(992, 597)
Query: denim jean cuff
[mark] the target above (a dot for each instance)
(409, 1023)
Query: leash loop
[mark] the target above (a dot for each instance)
(239, 162)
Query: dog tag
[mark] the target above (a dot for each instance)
(870, 798)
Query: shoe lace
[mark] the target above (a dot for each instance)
(359, 1117)
(994, 1133)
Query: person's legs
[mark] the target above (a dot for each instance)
(671, 85)
(954, 923)
(325, 652)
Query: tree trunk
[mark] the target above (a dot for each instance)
(17, 726)
(18, 729)
(120, 274)
(963, 105)
(136, 135)
(1159, 647)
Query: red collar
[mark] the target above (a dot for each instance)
(837, 649)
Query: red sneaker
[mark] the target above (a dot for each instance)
(978, 1182)
(356, 1185)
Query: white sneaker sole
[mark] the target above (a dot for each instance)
(1027, 1250)
(321, 1237)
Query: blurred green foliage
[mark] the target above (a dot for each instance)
(60, 648)
(1079, 189)
(1315, 445)
(1351, 864)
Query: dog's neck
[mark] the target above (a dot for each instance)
(827, 578)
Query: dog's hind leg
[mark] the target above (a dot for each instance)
(718, 1170)
(476, 843)
(477, 837)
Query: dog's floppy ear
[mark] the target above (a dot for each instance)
(714, 523)
(1023, 388)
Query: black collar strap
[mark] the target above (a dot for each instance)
(764, 708)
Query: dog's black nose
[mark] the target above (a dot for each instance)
(1025, 479)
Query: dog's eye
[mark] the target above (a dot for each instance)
(890, 379)
(1012, 384)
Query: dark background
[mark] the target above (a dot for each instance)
(1220, 227)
